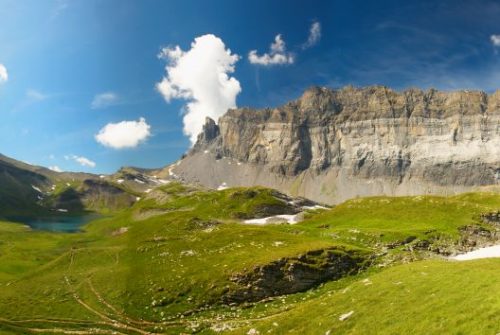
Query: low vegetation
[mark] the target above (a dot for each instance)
(181, 259)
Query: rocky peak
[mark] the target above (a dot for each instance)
(209, 133)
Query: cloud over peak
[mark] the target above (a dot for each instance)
(200, 75)
(124, 134)
(4, 76)
(277, 54)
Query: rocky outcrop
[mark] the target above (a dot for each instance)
(296, 274)
(492, 218)
(331, 145)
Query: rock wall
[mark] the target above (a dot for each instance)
(331, 145)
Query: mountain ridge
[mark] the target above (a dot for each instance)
(354, 142)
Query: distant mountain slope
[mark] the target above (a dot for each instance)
(28, 190)
(17, 186)
(332, 145)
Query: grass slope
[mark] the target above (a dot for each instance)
(162, 266)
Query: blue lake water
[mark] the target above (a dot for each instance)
(66, 224)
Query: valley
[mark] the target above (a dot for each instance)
(182, 259)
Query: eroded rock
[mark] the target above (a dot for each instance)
(295, 274)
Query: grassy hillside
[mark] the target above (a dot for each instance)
(34, 191)
(175, 261)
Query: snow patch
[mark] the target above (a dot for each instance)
(36, 189)
(171, 171)
(138, 181)
(62, 210)
(188, 253)
(222, 186)
(487, 252)
(289, 218)
(120, 181)
(346, 316)
(313, 207)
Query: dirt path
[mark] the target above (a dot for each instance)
(108, 320)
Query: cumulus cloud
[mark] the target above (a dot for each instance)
(200, 75)
(104, 100)
(314, 35)
(124, 134)
(277, 54)
(83, 161)
(56, 168)
(495, 40)
(4, 76)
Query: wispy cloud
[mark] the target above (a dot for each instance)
(34, 95)
(104, 100)
(31, 97)
(59, 7)
(277, 54)
(4, 76)
(314, 35)
(83, 161)
(495, 40)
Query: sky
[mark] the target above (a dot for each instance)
(93, 85)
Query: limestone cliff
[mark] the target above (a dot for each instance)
(331, 145)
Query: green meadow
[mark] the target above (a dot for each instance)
(164, 265)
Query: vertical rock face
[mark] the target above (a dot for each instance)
(330, 145)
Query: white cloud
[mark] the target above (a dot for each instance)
(277, 54)
(55, 168)
(124, 134)
(104, 100)
(34, 95)
(83, 161)
(495, 39)
(200, 76)
(4, 76)
(314, 35)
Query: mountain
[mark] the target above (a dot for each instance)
(28, 190)
(332, 145)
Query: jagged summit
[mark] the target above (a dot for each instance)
(331, 145)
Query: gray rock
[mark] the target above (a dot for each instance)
(332, 145)
(295, 274)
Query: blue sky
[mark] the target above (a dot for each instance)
(75, 66)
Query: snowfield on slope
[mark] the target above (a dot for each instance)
(487, 252)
